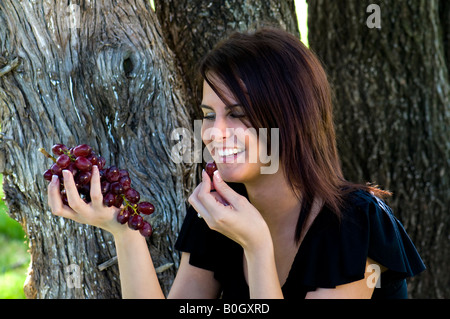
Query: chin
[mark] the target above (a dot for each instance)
(237, 172)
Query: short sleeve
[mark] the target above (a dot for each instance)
(334, 251)
(198, 239)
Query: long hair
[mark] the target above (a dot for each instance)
(280, 83)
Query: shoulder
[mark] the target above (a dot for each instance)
(363, 200)
(353, 219)
(336, 250)
(363, 209)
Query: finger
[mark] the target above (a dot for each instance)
(206, 181)
(225, 191)
(196, 203)
(73, 197)
(219, 198)
(96, 192)
(55, 202)
(204, 188)
(209, 185)
(210, 201)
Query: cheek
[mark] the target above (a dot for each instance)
(206, 139)
(206, 135)
(250, 139)
(252, 147)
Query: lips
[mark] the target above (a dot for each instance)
(229, 151)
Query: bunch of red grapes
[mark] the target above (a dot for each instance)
(115, 184)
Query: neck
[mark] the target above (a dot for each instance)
(274, 199)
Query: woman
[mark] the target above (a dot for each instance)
(301, 231)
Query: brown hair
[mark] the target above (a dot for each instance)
(281, 84)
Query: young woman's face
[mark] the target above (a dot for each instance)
(231, 143)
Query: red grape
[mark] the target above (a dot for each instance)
(126, 182)
(93, 159)
(112, 174)
(82, 150)
(145, 208)
(123, 215)
(118, 201)
(72, 168)
(84, 178)
(109, 199)
(59, 149)
(123, 172)
(56, 169)
(48, 175)
(146, 229)
(210, 168)
(105, 187)
(132, 195)
(136, 222)
(116, 188)
(83, 164)
(63, 161)
(101, 162)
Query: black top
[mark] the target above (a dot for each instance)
(332, 252)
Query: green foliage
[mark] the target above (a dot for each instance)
(8, 226)
(14, 261)
(14, 258)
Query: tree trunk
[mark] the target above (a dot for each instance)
(444, 11)
(192, 28)
(96, 73)
(392, 112)
(99, 72)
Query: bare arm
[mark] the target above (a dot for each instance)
(193, 282)
(354, 290)
(137, 273)
(262, 273)
(139, 280)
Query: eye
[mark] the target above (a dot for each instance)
(209, 116)
(237, 112)
(237, 115)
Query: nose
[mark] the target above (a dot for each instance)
(219, 131)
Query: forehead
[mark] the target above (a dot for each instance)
(211, 99)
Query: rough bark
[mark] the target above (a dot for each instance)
(100, 72)
(392, 113)
(192, 27)
(444, 11)
(95, 72)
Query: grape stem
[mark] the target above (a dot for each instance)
(71, 156)
(43, 151)
(127, 203)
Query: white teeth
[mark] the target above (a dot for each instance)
(229, 151)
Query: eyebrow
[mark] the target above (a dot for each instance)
(203, 106)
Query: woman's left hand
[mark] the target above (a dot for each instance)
(229, 213)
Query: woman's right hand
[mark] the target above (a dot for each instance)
(94, 213)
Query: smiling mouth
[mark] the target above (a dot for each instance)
(229, 151)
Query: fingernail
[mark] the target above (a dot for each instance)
(217, 175)
(54, 179)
